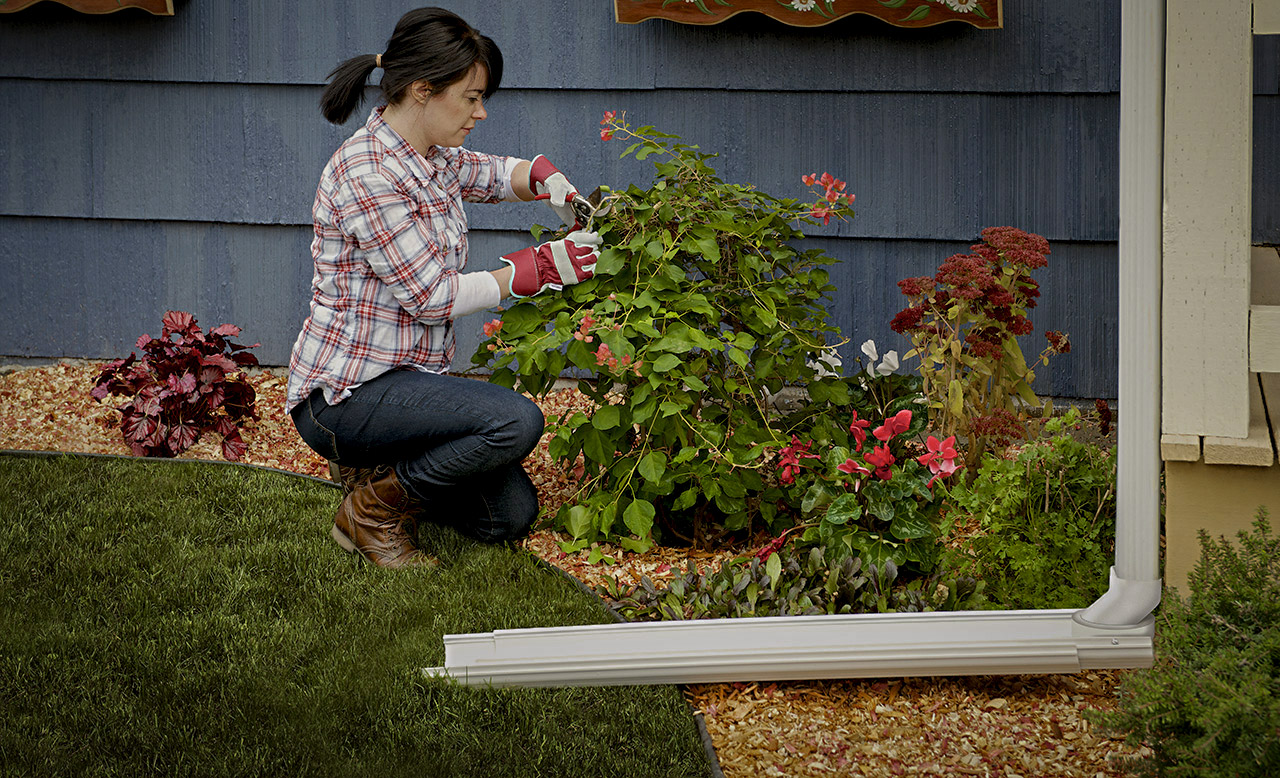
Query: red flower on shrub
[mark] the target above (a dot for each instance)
(791, 456)
(606, 134)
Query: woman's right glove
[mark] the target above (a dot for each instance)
(553, 265)
(545, 180)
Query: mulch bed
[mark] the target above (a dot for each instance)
(988, 726)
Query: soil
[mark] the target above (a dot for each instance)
(989, 726)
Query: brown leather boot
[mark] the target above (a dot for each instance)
(352, 477)
(376, 521)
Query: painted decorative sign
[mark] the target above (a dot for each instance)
(157, 7)
(812, 13)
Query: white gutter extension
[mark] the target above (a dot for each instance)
(1135, 579)
(1114, 632)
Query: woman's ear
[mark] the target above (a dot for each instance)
(420, 90)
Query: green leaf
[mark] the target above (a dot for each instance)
(653, 466)
(665, 363)
(578, 522)
(611, 261)
(955, 398)
(596, 446)
(773, 568)
(606, 417)
(919, 13)
(636, 545)
(910, 524)
(639, 517)
(844, 510)
(817, 496)
(709, 249)
(686, 500)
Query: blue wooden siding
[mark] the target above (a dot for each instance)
(152, 163)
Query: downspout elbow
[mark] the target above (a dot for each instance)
(1126, 603)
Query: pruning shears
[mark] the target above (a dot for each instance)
(586, 211)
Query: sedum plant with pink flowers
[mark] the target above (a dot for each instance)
(964, 323)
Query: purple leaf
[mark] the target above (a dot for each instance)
(233, 447)
(179, 323)
(219, 361)
(136, 427)
(182, 437)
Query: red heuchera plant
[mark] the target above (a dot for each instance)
(187, 383)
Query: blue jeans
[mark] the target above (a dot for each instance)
(455, 443)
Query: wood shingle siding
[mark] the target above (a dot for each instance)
(151, 163)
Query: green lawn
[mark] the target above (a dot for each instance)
(162, 618)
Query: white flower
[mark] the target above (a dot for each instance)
(962, 6)
(889, 365)
(869, 348)
(828, 364)
(804, 5)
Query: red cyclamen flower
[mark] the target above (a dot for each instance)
(941, 455)
(858, 427)
(851, 468)
(492, 328)
(895, 425)
(882, 460)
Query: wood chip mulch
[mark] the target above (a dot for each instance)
(986, 726)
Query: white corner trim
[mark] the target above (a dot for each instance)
(794, 648)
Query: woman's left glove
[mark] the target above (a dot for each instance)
(554, 265)
(546, 179)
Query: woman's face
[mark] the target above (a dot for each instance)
(448, 116)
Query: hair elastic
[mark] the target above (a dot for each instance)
(377, 60)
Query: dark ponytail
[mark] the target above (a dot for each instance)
(428, 44)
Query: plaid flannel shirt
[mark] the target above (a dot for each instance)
(390, 240)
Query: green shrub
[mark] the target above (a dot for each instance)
(792, 581)
(1047, 519)
(1211, 704)
(700, 308)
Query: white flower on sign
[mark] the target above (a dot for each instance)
(803, 5)
(962, 6)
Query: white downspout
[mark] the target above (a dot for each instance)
(1135, 578)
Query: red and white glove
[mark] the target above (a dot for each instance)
(554, 265)
(546, 179)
